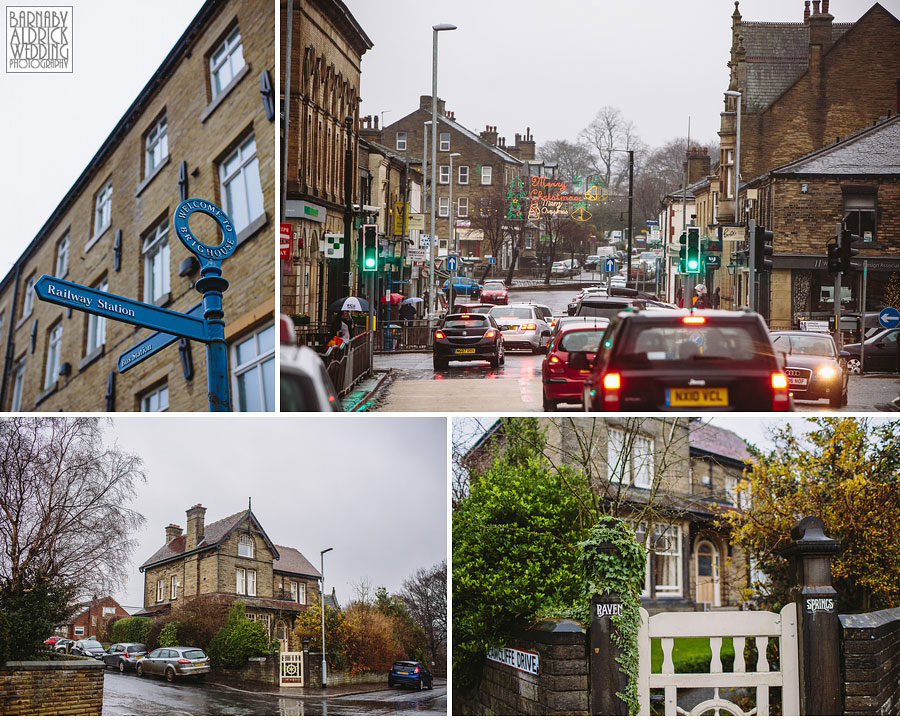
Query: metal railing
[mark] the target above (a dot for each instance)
(399, 335)
(346, 364)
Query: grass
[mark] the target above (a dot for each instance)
(691, 655)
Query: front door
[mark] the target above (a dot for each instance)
(708, 574)
(281, 635)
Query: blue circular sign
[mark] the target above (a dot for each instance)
(216, 253)
(889, 318)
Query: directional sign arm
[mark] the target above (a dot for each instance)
(149, 346)
(114, 307)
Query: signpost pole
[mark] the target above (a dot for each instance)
(212, 285)
(862, 329)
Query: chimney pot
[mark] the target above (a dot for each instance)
(815, 7)
(172, 531)
(806, 12)
(824, 7)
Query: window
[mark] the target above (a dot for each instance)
(444, 175)
(462, 207)
(96, 334)
(634, 463)
(109, 611)
(79, 630)
(666, 563)
(445, 142)
(156, 400)
(463, 174)
(619, 469)
(401, 141)
(444, 206)
(294, 591)
(225, 62)
(253, 370)
(160, 590)
(859, 215)
(103, 208)
(245, 582)
(54, 344)
(729, 173)
(642, 460)
(18, 385)
(28, 302)
(174, 586)
(62, 257)
(245, 546)
(241, 190)
(251, 582)
(156, 263)
(301, 593)
(486, 174)
(156, 147)
(529, 240)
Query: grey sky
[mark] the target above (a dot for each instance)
(551, 66)
(374, 488)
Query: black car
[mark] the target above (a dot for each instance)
(677, 360)
(814, 367)
(595, 305)
(468, 336)
(88, 648)
(881, 353)
(410, 673)
(124, 656)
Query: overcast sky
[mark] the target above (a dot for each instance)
(373, 488)
(551, 66)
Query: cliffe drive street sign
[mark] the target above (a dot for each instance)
(523, 660)
(204, 322)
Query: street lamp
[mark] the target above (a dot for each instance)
(451, 245)
(426, 125)
(434, 68)
(737, 151)
(322, 596)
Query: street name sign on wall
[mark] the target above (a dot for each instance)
(528, 662)
(204, 323)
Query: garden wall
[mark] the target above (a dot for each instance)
(47, 687)
(560, 688)
(261, 670)
(871, 662)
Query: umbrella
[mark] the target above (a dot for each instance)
(392, 299)
(355, 304)
(412, 301)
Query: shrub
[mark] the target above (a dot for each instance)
(169, 635)
(131, 629)
(4, 638)
(33, 615)
(372, 643)
(199, 620)
(239, 639)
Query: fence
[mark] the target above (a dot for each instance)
(346, 364)
(411, 335)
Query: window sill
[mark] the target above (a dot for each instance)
(99, 234)
(147, 180)
(47, 393)
(91, 357)
(162, 300)
(21, 321)
(252, 228)
(210, 109)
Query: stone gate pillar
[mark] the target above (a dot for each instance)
(606, 676)
(818, 626)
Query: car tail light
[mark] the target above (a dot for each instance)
(126, 653)
(779, 381)
(554, 359)
(693, 320)
(612, 384)
(490, 334)
(612, 381)
(415, 671)
(529, 326)
(781, 398)
(464, 317)
(182, 661)
(439, 335)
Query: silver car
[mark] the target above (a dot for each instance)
(173, 662)
(523, 326)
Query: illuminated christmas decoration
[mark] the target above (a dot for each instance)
(515, 194)
(580, 212)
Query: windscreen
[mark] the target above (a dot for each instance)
(493, 286)
(586, 340)
(194, 654)
(805, 345)
(512, 312)
(472, 322)
(607, 310)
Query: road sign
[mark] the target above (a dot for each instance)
(287, 232)
(889, 318)
(152, 344)
(610, 265)
(416, 254)
(451, 264)
(492, 261)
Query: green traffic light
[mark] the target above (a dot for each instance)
(693, 265)
(370, 262)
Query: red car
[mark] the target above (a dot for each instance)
(494, 291)
(563, 384)
(52, 640)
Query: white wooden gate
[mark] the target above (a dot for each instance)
(291, 670)
(740, 626)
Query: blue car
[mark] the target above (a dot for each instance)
(411, 673)
(464, 286)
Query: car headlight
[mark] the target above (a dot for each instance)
(827, 372)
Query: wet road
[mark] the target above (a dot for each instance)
(131, 695)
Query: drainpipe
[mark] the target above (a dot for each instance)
(10, 346)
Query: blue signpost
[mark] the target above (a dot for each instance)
(204, 322)
(451, 264)
(610, 266)
(889, 318)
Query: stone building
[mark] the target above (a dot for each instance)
(199, 128)
(319, 127)
(231, 559)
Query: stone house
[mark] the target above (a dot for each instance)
(198, 128)
(231, 559)
(90, 618)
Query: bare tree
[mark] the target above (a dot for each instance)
(425, 597)
(490, 219)
(64, 505)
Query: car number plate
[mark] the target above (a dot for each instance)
(463, 351)
(798, 381)
(694, 397)
(507, 327)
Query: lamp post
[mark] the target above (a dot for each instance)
(737, 174)
(451, 244)
(425, 126)
(322, 597)
(434, 68)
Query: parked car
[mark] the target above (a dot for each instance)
(523, 326)
(63, 645)
(463, 286)
(814, 367)
(87, 648)
(468, 336)
(495, 291)
(591, 262)
(53, 640)
(560, 269)
(881, 352)
(174, 662)
(304, 384)
(410, 673)
(124, 656)
(679, 360)
(562, 383)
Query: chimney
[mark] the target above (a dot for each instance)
(489, 134)
(196, 523)
(425, 104)
(815, 7)
(527, 146)
(172, 531)
(375, 122)
(825, 7)
(806, 12)
(819, 30)
(698, 164)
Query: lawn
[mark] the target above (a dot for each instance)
(691, 655)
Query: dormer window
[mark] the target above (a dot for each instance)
(245, 546)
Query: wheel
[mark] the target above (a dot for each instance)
(549, 405)
(502, 356)
(170, 674)
(836, 401)
(546, 344)
(390, 683)
(431, 684)
(495, 361)
(440, 364)
(853, 366)
(121, 666)
(140, 670)
(419, 686)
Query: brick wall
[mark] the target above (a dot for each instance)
(871, 662)
(73, 687)
(561, 688)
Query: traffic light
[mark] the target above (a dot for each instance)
(369, 248)
(847, 251)
(682, 254)
(694, 265)
(834, 258)
(763, 250)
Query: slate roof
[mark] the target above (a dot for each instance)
(292, 561)
(707, 438)
(212, 535)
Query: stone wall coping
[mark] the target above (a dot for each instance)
(557, 626)
(51, 664)
(873, 619)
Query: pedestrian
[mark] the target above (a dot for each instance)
(346, 326)
(701, 297)
(407, 314)
(679, 296)
(715, 299)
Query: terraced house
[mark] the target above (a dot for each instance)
(231, 559)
